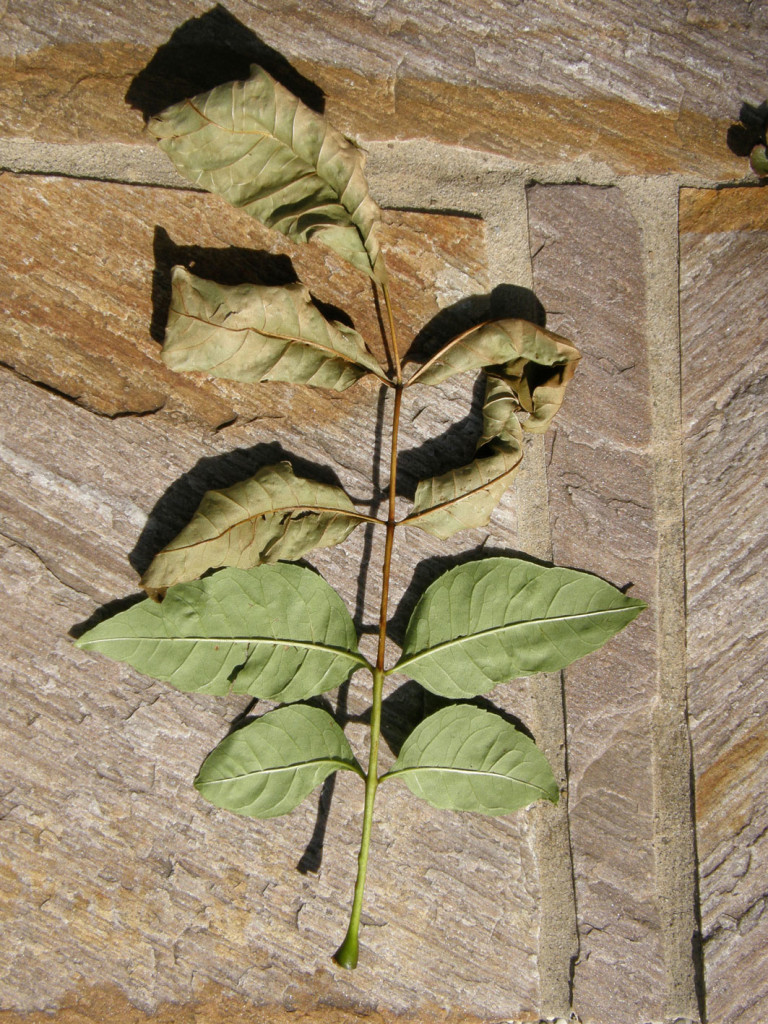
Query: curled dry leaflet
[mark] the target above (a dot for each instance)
(263, 626)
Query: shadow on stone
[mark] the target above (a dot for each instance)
(506, 301)
(750, 130)
(697, 944)
(175, 508)
(458, 445)
(106, 611)
(229, 266)
(410, 704)
(205, 52)
(311, 860)
(428, 570)
(455, 447)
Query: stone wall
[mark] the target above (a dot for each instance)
(579, 150)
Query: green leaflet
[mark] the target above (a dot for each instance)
(257, 145)
(273, 515)
(277, 632)
(259, 333)
(268, 767)
(489, 621)
(536, 364)
(466, 759)
(758, 160)
(466, 497)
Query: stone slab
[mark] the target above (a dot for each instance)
(135, 895)
(602, 520)
(723, 252)
(85, 316)
(636, 88)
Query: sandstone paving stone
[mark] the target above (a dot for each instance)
(638, 88)
(116, 874)
(723, 250)
(81, 314)
(134, 893)
(588, 273)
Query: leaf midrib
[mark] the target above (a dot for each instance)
(317, 509)
(276, 770)
(507, 626)
(290, 339)
(314, 171)
(461, 771)
(256, 640)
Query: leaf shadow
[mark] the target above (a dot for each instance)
(175, 507)
(454, 447)
(505, 301)
(458, 444)
(207, 51)
(429, 569)
(750, 130)
(408, 706)
(312, 858)
(226, 266)
(249, 713)
(105, 611)
(232, 265)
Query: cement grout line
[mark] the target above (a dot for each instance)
(655, 207)
(505, 213)
(412, 173)
(112, 162)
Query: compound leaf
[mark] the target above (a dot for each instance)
(259, 333)
(489, 621)
(466, 497)
(277, 632)
(268, 154)
(466, 759)
(536, 363)
(268, 767)
(273, 515)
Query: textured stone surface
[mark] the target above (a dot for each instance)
(108, 1005)
(723, 249)
(601, 508)
(121, 898)
(80, 314)
(115, 874)
(636, 87)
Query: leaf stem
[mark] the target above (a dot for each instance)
(393, 335)
(346, 954)
(446, 348)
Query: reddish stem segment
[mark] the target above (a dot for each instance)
(347, 953)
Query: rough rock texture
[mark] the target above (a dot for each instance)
(86, 318)
(601, 509)
(723, 249)
(639, 87)
(122, 896)
(116, 874)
